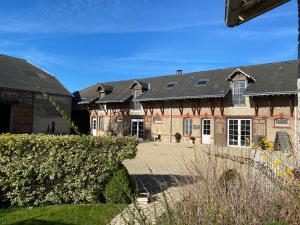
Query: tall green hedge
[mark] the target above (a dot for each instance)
(43, 170)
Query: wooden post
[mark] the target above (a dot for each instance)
(256, 108)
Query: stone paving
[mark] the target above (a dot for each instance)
(157, 164)
(163, 164)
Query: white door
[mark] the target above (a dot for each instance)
(94, 126)
(137, 128)
(206, 131)
(239, 132)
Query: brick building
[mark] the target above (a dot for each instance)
(227, 107)
(23, 108)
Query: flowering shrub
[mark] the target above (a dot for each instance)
(41, 170)
(264, 143)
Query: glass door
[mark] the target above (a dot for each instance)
(206, 131)
(137, 128)
(239, 132)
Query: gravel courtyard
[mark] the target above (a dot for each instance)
(162, 158)
(159, 163)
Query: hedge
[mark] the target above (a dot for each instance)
(38, 170)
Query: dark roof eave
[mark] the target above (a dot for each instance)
(253, 94)
(179, 98)
(111, 101)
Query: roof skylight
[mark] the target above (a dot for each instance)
(171, 85)
(202, 82)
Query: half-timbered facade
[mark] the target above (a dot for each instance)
(227, 107)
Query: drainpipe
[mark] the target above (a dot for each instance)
(171, 121)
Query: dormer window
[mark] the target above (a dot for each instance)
(171, 85)
(102, 95)
(137, 105)
(238, 89)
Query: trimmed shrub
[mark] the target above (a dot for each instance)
(40, 170)
(120, 188)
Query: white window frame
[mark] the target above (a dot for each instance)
(239, 133)
(101, 123)
(94, 123)
(281, 125)
(137, 93)
(233, 92)
(187, 126)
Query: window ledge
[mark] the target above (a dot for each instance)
(288, 127)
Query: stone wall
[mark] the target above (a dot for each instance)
(47, 118)
(32, 113)
(172, 119)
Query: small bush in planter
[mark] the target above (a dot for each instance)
(178, 137)
(120, 188)
(192, 139)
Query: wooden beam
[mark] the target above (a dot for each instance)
(221, 106)
(256, 107)
(162, 107)
(271, 106)
(151, 108)
(292, 104)
(212, 106)
(180, 106)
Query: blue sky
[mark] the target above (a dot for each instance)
(83, 42)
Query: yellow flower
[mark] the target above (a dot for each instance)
(276, 163)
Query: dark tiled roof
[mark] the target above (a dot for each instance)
(270, 79)
(18, 74)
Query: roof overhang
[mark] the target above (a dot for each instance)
(240, 11)
(111, 101)
(253, 94)
(179, 98)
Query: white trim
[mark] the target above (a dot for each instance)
(138, 121)
(202, 131)
(239, 133)
(240, 71)
(282, 125)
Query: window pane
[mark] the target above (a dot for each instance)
(238, 91)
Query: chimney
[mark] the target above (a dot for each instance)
(178, 72)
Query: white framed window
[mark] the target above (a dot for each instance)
(157, 119)
(187, 126)
(101, 123)
(137, 105)
(94, 123)
(238, 89)
(281, 122)
(239, 132)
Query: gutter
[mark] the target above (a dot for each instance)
(271, 93)
(179, 98)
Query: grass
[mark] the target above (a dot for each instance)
(97, 214)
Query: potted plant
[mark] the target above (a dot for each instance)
(178, 137)
(110, 131)
(192, 140)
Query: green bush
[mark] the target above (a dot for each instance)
(40, 170)
(120, 188)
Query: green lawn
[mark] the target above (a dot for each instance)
(61, 215)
